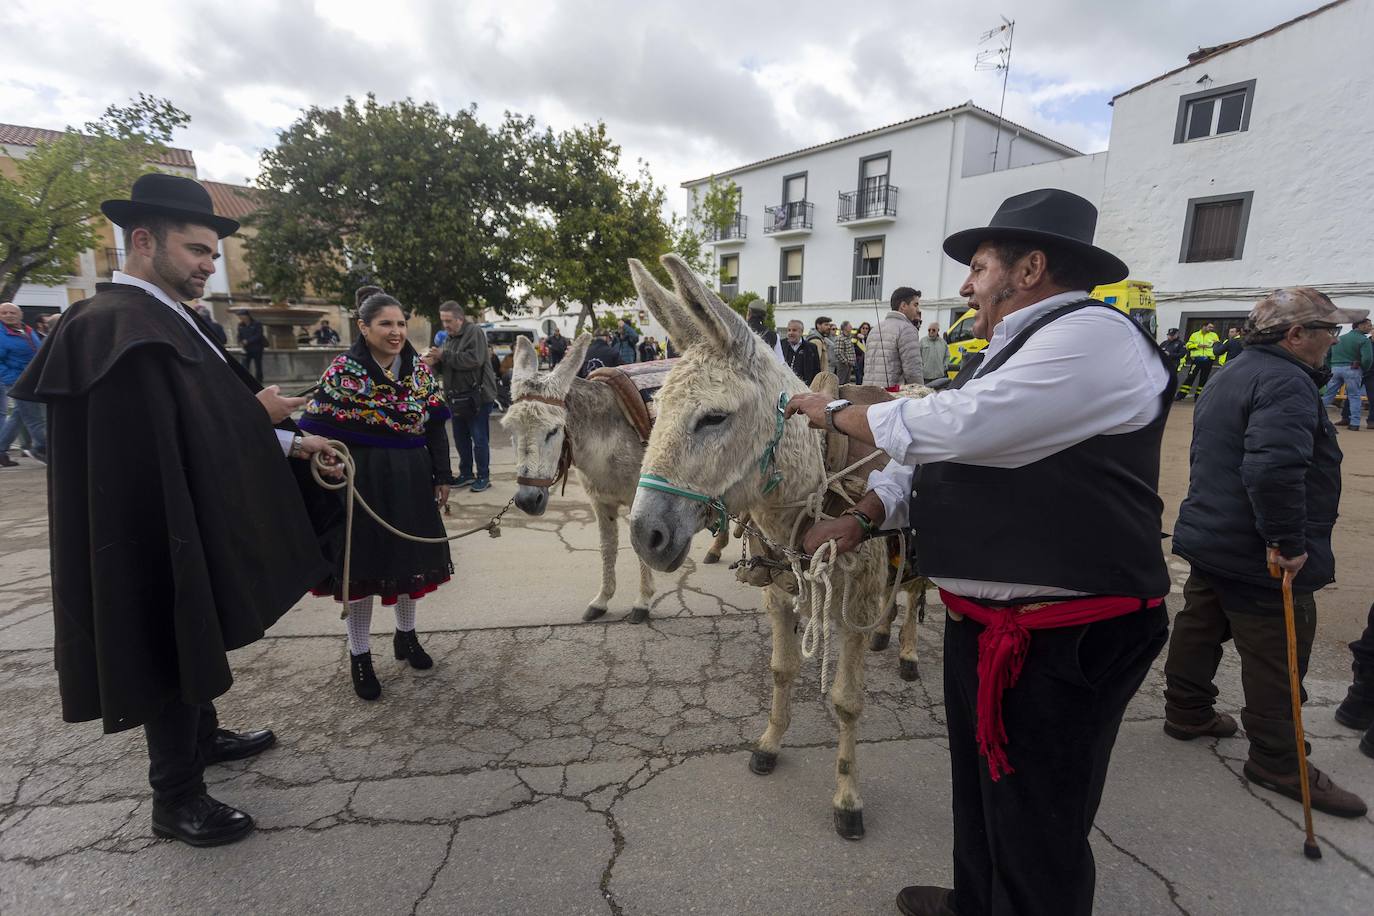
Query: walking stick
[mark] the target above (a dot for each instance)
(1309, 846)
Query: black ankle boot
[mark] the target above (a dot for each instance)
(408, 647)
(1357, 709)
(365, 683)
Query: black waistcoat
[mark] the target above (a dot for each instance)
(1086, 518)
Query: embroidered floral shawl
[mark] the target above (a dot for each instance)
(358, 402)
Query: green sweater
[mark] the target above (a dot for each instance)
(1353, 347)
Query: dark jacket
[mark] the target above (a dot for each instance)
(558, 345)
(251, 336)
(803, 359)
(1175, 349)
(629, 342)
(465, 364)
(162, 563)
(1264, 469)
(601, 353)
(1230, 348)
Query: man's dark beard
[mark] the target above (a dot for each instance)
(167, 272)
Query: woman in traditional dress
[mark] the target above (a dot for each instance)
(382, 401)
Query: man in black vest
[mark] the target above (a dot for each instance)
(1071, 614)
(162, 564)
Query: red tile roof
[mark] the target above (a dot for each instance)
(18, 135)
(232, 200)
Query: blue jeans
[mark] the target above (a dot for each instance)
(1353, 380)
(473, 439)
(31, 415)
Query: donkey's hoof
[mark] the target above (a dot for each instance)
(849, 824)
(638, 615)
(593, 612)
(712, 556)
(879, 641)
(762, 762)
(906, 670)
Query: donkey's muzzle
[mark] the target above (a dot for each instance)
(661, 529)
(532, 500)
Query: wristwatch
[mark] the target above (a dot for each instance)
(833, 408)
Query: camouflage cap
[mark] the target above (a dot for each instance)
(1300, 305)
(758, 306)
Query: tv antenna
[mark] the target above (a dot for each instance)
(994, 59)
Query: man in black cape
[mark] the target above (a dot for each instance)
(179, 530)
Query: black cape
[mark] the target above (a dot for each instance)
(178, 530)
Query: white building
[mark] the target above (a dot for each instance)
(1242, 171)
(833, 229)
(1248, 169)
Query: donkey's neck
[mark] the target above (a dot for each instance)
(595, 417)
(798, 460)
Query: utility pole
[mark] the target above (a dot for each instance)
(998, 58)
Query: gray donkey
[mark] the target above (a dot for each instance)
(553, 407)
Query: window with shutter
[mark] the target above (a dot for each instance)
(1214, 228)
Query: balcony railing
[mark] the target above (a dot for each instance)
(789, 217)
(736, 229)
(879, 200)
(790, 291)
(113, 260)
(867, 287)
(729, 291)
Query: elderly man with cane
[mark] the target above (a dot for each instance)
(1264, 486)
(1051, 628)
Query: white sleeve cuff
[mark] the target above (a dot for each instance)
(285, 437)
(889, 429)
(893, 486)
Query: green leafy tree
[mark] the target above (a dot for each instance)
(741, 304)
(427, 205)
(588, 219)
(713, 212)
(50, 199)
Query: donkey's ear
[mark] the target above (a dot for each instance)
(664, 306)
(566, 370)
(526, 361)
(720, 324)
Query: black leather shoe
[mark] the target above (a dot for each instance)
(365, 683)
(201, 821)
(225, 745)
(925, 900)
(407, 646)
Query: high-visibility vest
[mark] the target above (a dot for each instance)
(1200, 343)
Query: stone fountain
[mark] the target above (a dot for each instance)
(281, 322)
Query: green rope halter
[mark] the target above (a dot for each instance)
(772, 477)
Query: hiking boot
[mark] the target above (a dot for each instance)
(1219, 726)
(1326, 795)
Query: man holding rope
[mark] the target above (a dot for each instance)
(178, 529)
(1051, 628)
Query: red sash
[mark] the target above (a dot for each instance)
(1002, 648)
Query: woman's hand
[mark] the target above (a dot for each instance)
(440, 494)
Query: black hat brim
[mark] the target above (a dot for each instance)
(124, 212)
(1104, 266)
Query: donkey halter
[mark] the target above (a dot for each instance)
(565, 457)
(715, 505)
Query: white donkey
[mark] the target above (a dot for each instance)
(556, 407)
(716, 419)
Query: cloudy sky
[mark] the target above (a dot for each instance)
(690, 87)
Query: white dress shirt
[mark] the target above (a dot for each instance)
(284, 436)
(1087, 374)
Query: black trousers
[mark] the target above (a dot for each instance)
(1200, 369)
(253, 363)
(1021, 843)
(176, 766)
(1211, 615)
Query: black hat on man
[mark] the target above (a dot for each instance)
(1050, 216)
(173, 196)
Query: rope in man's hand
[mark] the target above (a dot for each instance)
(326, 475)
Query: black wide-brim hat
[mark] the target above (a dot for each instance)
(1051, 216)
(156, 194)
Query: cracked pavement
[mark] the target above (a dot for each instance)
(548, 765)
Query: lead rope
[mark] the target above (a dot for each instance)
(317, 469)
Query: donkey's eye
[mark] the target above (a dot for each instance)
(711, 419)
(548, 437)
